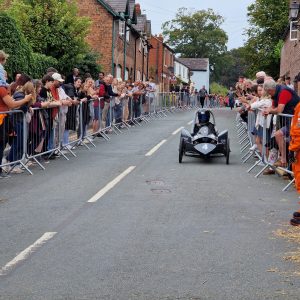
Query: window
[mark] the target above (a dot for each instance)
(127, 35)
(126, 74)
(164, 56)
(121, 28)
(138, 75)
(140, 45)
(119, 72)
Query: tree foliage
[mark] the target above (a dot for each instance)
(197, 34)
(268, 20)
(21, 56)
(216, 88)
(52, 28)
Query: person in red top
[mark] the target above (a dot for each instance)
(7, 103)
(98, 104)
(284, 102)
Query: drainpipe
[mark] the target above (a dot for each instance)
(113, 47)
(147, 75)
(134, 71)
(157, 52)
(143, 63)
(125, 49)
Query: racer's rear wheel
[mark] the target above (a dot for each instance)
(181, 150)
(227, 152)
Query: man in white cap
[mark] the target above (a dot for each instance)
(59, 94)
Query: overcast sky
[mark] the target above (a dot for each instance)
(234, 12)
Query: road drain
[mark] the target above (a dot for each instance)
(160, 191)
(155, 182)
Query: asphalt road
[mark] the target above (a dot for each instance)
(197, 230)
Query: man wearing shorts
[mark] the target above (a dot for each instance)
(284, 102)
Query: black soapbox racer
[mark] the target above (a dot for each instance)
(204, 141)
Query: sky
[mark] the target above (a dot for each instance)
(234, 12)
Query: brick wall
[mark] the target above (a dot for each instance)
(158, 65)
(100, 36)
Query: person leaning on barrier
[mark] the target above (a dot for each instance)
(7, 103)
(284, 102)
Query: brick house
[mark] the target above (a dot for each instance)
(120, 33)
(161, 62)
(290, 53)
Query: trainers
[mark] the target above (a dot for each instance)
(3, 175)
(295, 222)
(269, 172)
(296, 215)
(253, 148)
(17, 170)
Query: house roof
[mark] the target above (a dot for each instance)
(117, 5)
(141, 23)
(195, 64)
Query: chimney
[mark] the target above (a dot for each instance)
(138, 9)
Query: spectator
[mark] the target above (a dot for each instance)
(288, 83)
(72, 90)
(284, 101)
(7, 103)
(71, 78)
(107, 98)
(230, 95)
(202, 94)
(3, 74)
(99, 81)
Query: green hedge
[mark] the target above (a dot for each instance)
(40, 63)
(14, 43)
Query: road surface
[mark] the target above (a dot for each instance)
(114, 223)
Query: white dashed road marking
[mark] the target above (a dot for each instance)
(190, 123)
(154, 149)
(27, 252)
(110, 185)
(177, 130)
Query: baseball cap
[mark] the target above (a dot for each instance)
(57, 76)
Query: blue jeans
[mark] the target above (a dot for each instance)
(16, 150)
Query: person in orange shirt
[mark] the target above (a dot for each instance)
(294, 157)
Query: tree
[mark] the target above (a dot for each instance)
(235, 65)
(219, 89)
(197, 34)
(53, 28)
(21, 57)
(268, 20)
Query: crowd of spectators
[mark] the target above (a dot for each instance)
(52, 106)
(271, 104)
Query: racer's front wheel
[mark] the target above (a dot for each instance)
(227, 152)
(181, 150)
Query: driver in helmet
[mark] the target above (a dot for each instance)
(203, 117)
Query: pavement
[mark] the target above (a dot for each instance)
(163, 230)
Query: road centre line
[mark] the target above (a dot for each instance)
(177, 130)
(27, 252)
(190, 123)
(111, 185)
(154, 149)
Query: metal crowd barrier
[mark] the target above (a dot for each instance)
(44, 133)
(272, 153)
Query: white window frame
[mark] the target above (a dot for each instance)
(118, 71)
(293, 31)
(121, 28)
(127, 35)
